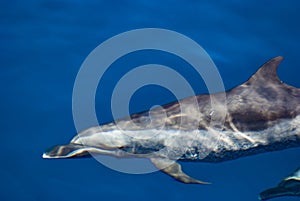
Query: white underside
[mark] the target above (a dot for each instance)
(181, 141)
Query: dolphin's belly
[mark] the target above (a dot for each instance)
(228, 145)
(205, 145)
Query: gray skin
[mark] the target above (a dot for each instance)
(260, 115)
(289, 186)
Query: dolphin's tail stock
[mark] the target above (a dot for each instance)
(289, 186)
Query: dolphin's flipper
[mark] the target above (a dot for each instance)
(174, 170)
(289, 186)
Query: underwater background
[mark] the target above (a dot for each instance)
(43, 44)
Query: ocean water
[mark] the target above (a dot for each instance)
(43, 44)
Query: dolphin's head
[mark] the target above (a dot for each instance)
(113, 142)
(91, 141)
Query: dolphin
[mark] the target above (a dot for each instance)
(261, 115)
(289, 186)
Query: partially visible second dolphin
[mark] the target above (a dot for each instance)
(289, 186)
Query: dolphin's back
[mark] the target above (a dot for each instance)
(263, 114)
(262, 100)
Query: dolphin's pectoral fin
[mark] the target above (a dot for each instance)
(174, 170)
(289, 186)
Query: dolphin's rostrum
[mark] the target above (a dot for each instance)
(262, 114)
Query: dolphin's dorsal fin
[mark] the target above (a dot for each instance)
(174, 170)
(267, 72)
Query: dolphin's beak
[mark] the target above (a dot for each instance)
(67, 151)
(75, 151)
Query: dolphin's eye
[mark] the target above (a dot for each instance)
(145, 119)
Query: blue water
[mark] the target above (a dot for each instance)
(43, 44)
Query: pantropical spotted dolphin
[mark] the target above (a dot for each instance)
(261, 115)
